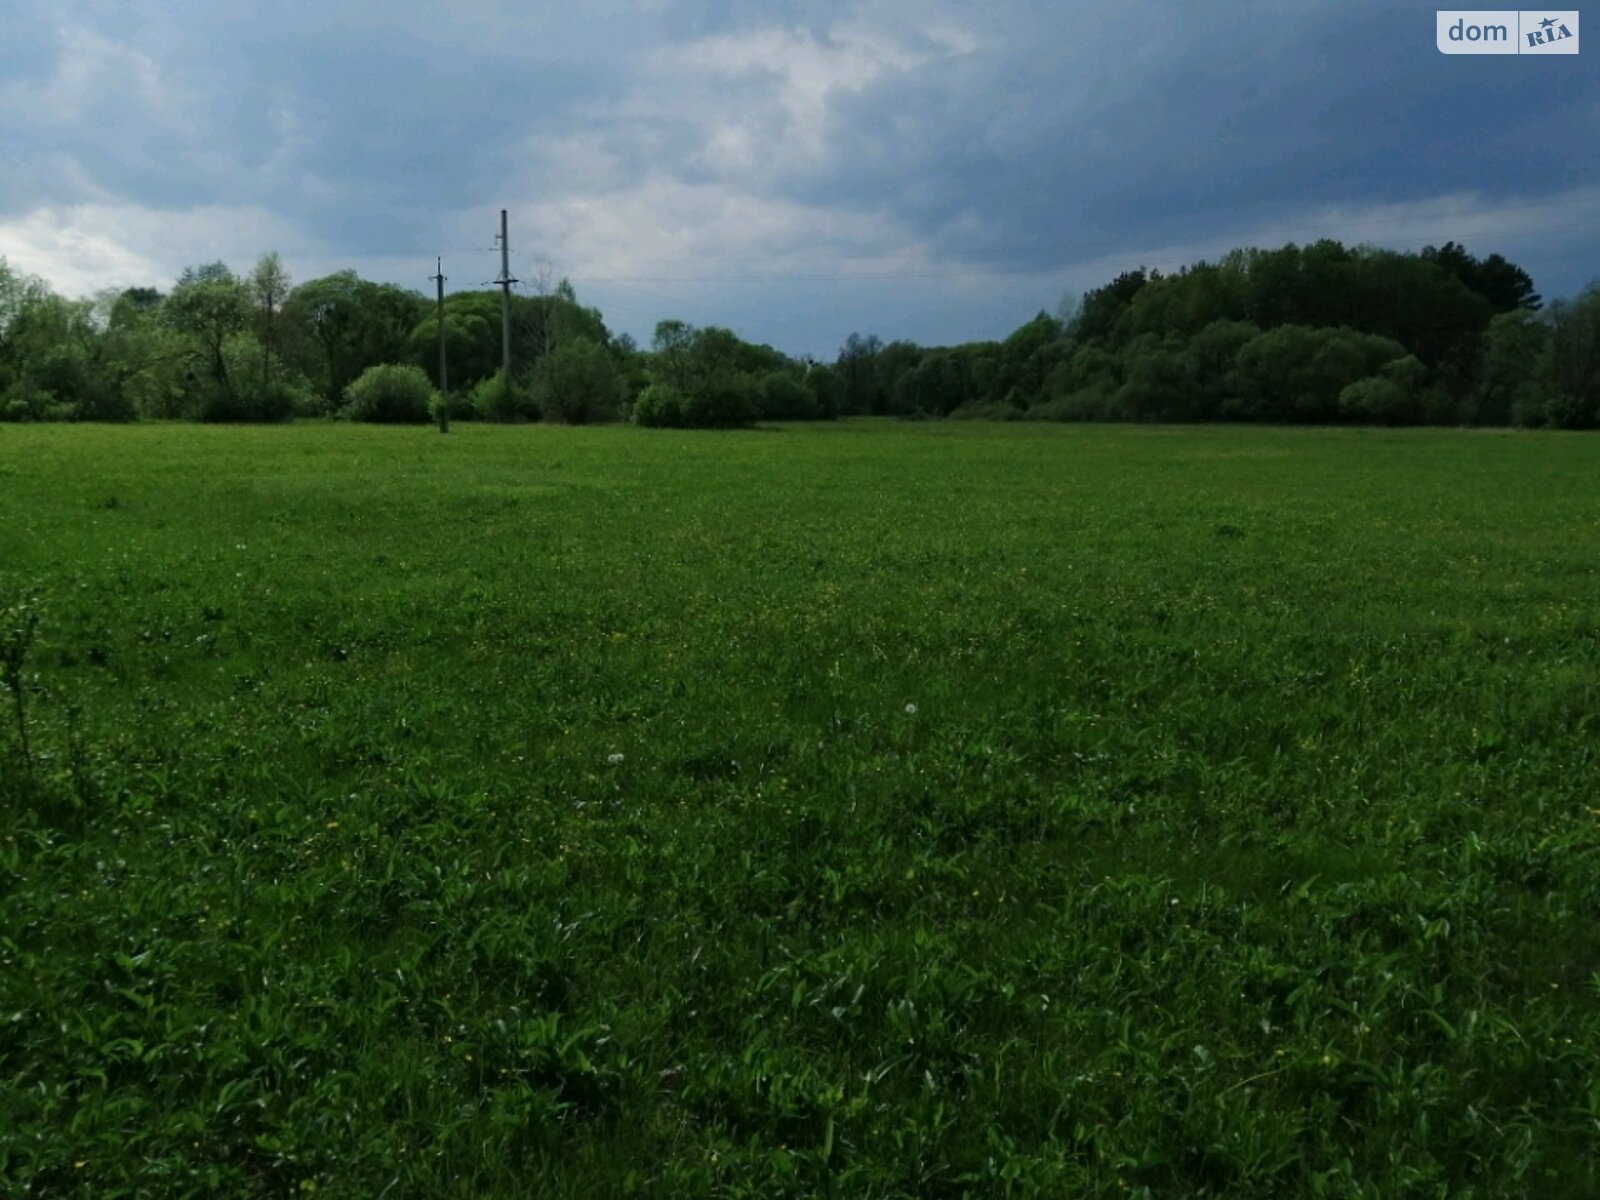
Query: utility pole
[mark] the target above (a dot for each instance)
(505, 281)
(444, 377)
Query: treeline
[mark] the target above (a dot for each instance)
(1316, 334)
(226, 347)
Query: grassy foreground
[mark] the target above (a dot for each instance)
(872, 811)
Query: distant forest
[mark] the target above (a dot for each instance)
(1321, 334)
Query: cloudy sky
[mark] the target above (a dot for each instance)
(793, 169)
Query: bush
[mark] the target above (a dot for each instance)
(456, 404)
(498, 399)
(727, 400)
(724, 401)
(988, 410)
(1092, 403)
(1380, 400)
(1529, 407)
(390, 394)
(785, 398)
(576, 383)
(23, 401)
(660, 405)
(253, 388)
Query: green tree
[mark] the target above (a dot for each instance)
(1103, 307)
(1513, 347)
(210, 306)
(269, 288)
(786, 398)
(827, 385)
(1296, 373)
(344, 324)
(1503, 284)
(1215, 351)
(1160, 381)
(856, 367)
(145, 360)
(1569, 370)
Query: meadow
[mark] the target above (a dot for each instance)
(863, 810)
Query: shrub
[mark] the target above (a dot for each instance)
(1092, 403)
(457, 404)
(1529, 407)
(988, 410)
(659, 405)
(389, 394)
(724, 401)
(785, 398)
(252, 387)
(498, 399)
(1380, 400)
(576, 383)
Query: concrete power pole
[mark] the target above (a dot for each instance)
(444, 376)
(505, 281)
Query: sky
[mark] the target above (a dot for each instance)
(794, 170)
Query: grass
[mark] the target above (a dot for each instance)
(866, 811)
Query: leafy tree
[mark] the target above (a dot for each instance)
(248, 398)
(1569, 370)
(1160, 381)
(1503, 284)
(855, 367)
(343, 324)
(1028, 356)
(890, 365)
(54, 365)
(1513, 347)
(145, 360)
(211, 306)
(1103, 307)
(939, 384)
(472, 341)
(1215, 352)
(711, 374)
(269, 287)
(827, 385)
(672, 346)
(1296, 373)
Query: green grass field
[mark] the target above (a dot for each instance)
(881, 810)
